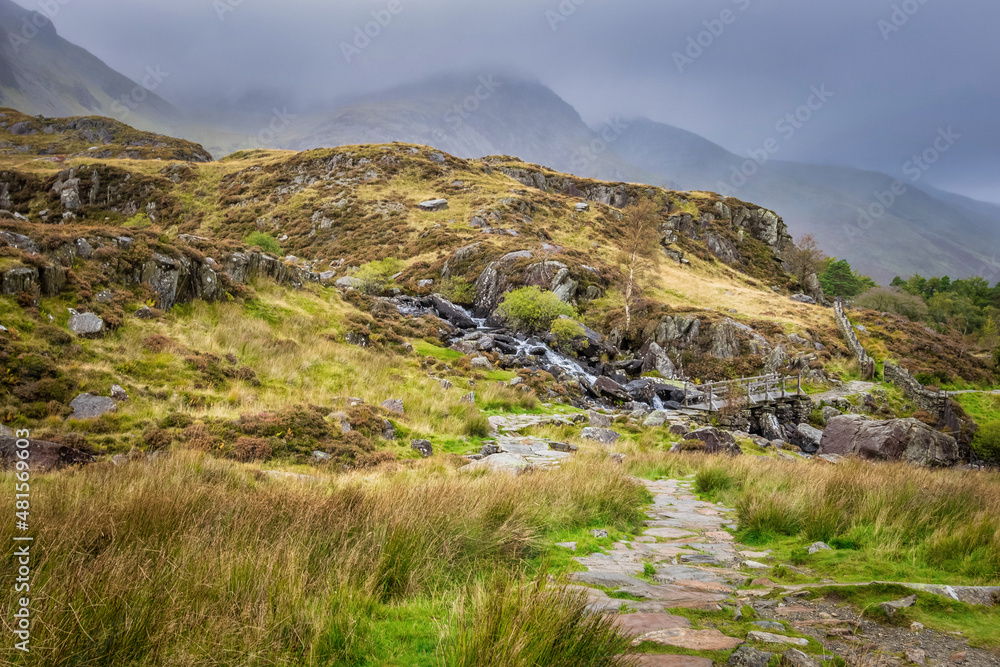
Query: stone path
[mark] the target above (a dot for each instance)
(696, 564)
(693, 555)
(849, 389)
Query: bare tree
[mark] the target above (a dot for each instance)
(804, 258)
(640, 224)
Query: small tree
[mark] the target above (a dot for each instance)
(804, 258)
(640, 224)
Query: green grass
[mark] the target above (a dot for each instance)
(425, 349)
(984, 408)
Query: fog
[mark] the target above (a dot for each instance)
(729, 70)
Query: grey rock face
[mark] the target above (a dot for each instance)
(394, 405)
(894, 440)
(88, 406)
(716, 441)
(425, 447)
(433, 205)
(599, 420)
(808, 438)
(605, 436)
(451, 313)
(86, 325)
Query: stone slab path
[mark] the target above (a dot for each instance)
(687, 559)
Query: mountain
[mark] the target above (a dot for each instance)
(854, 214)
(43, 74)
(474, 116)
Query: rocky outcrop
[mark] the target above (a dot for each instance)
(894, 440)
(88, 406)
(494, 282)
(43, 456)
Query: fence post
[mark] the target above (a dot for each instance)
(711, 402)
(798, 390)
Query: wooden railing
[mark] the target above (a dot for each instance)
(744, 392)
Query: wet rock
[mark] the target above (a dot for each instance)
(86, 325)
(424, 447)
(893, 440)
(451, 313)
(43, 455)
(605, 436)
(87, 406)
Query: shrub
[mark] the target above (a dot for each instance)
(252, 449)
(377, 277)
(565, 331)
(265, 242)
(710, 480)
(157, 438)
(987, 441)
(531, 310)
(458, 290)
(476, 425)
(139, 221)
(893, 300)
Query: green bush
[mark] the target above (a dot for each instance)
(139, 221)
(566, 331)
(458, 290)
(531, 310)
(265, 242)
(377, 277)
(987, 441)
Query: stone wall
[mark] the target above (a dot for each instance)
(865, 363)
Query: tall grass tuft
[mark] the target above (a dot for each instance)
(194, 561)
(510, 623)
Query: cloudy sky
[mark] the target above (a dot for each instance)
(899, 70)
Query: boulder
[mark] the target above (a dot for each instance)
(829, 413)
(605, 387)
(716, 441)
(797, 658)
(770, 638)
(433, 205)
(424, 447)
(804, 298)
(86, 325)
(347, 282)
(748, 656)
(394, 405)
(87, 406)
(894, 607)
(468, 398)
(599, 420)
(482, 364)
(43, 456)
(807, 438)
(511, 464)
(451, 313)
(655, 419)
(654, 358)
(145, 313)
(582, 207)
(118, 393)
(893, 440)
(605, 436)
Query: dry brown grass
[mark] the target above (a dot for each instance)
(195, 561)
